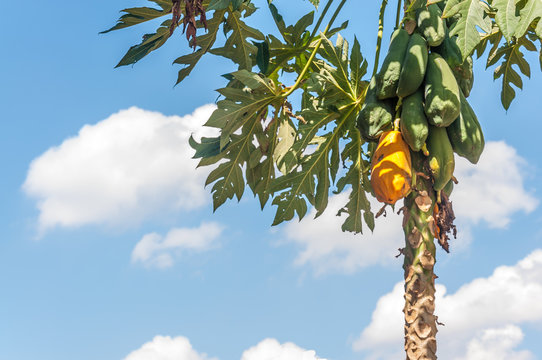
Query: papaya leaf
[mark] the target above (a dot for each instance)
(471, 17)
(358, 66)
(295, 43)
(511, 55)
(239, 117)
(333, 99)
(530, 10)
(204, 41)
(356, 176)
(237, 46)
(337, 56)
(264, 170)
(149, 43)
(507, 18)
(138, 15)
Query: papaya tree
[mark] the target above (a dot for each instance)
(392, 133)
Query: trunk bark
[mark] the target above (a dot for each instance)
(419, 228)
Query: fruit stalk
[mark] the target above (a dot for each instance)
(419, 262)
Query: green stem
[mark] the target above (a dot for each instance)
(380, 33)
(398, 15)
(314, 52)
(321, 18)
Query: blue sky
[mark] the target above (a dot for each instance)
(109, 248)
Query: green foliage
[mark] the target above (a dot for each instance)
(135, 16)
(204, 41)
(237, 47)
(295, 154)
(469, 15)
(515, 28)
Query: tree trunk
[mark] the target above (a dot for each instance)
(419, 228)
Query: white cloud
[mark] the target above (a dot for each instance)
(179, 348)
(326, 248)
(491, 191)
(155, 250)
(510, 296)
(497, 344)
(167, 348)
(271, 349)
(120, 171)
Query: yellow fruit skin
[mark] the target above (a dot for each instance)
(391, 168)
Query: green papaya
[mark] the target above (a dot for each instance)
(450, 51)
(388, 76)
(441, 157)
(465, 76)
(442, 103)
(465, 133)
(413, 124)
(448, 188)
(431, 25)
(414, 65)
(376, 116)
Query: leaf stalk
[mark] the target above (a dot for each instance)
(379, 35)
(315, 51)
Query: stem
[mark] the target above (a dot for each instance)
(313, 54)
(379, 36)
(419, 228)
(398, 15)
(321, 18)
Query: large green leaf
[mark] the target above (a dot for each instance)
(238, 46)
(138, 15)
(334, 98)
(530, 10)
(511, 55)
(507, 18)
(356, 177)
(243, 141)
(149, 43)
(470, 17)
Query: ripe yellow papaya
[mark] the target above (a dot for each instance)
(465, 133)
(376, 115)
(388, 76)
(414, 65)
(441, 157)
(413, 124)
(442, 103)
(391, 168)
(431, 25)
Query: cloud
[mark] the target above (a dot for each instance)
(155, 250)
(497, 344)
(167, 348)
(509, 297)
(120, 171)
(491, 191)
(271, 349)
(179, 348)
(326, 248)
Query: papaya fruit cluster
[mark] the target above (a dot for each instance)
(419, 99)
